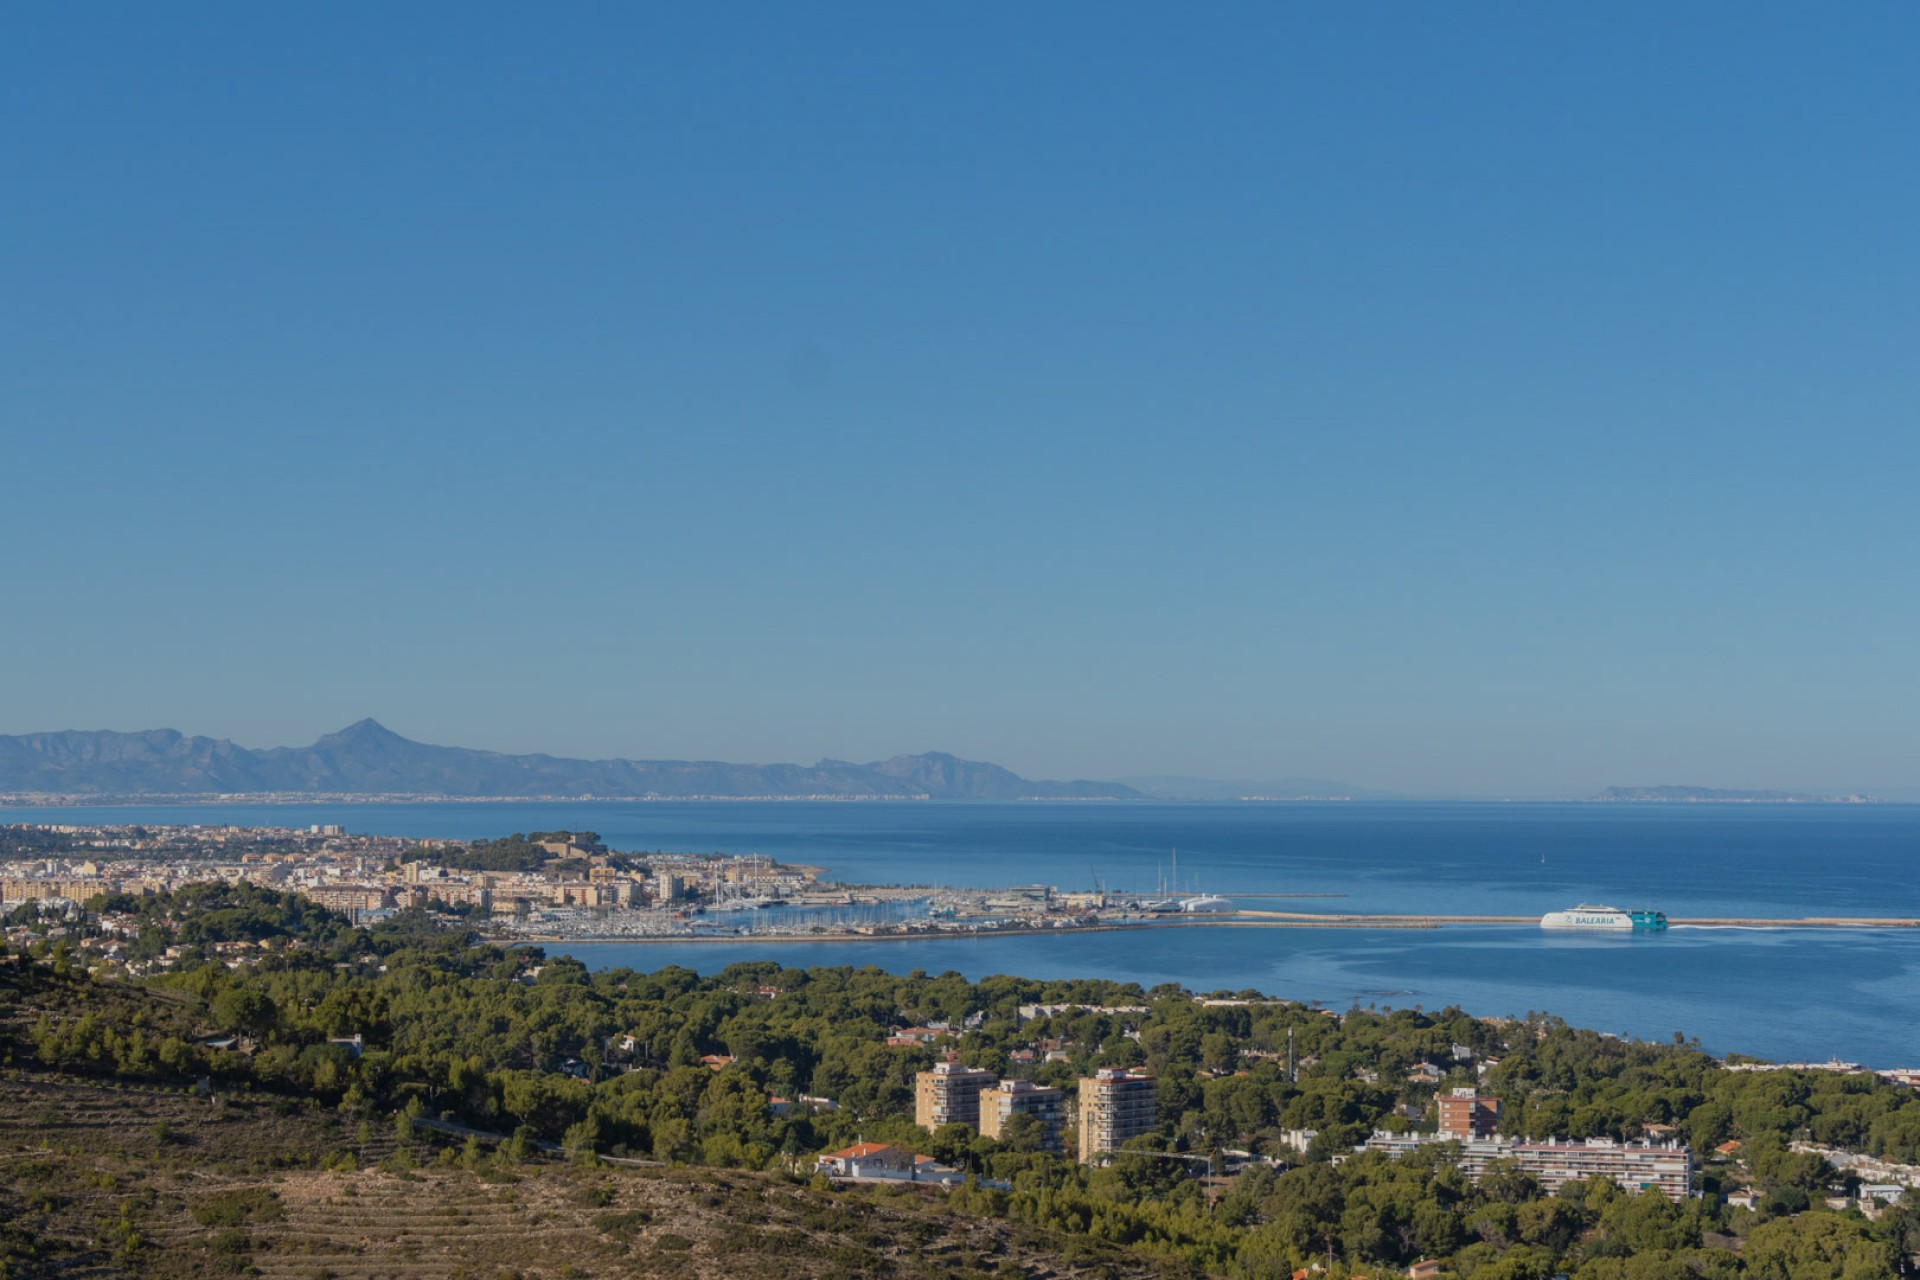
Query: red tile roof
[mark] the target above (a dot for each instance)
(858, 1151)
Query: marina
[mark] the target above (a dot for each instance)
(1397, 904)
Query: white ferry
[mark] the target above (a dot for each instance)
(1585, 916)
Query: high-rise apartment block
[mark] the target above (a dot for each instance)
(1115, 1105)
(1467, 1116)
(1011, 1098)
(949, 1094)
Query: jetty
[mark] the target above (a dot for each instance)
(1375, 920)
(917, 931)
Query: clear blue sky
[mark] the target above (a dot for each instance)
(1504, 399)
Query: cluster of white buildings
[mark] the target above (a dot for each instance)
(364, 875)
(1472, 1120)
(147, 860)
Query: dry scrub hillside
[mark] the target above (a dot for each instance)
(101, 1180)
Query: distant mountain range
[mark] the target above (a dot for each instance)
(1716, 795)
(369, 759)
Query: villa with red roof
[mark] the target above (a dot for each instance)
(867, 1160)
(878, 1160)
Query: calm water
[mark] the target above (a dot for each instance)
(1783, 994)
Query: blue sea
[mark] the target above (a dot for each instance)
(1783, 994)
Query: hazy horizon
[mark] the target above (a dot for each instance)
(1513, 401)
(1161, 784)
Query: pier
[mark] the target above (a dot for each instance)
(1358, 921)
(910, 932)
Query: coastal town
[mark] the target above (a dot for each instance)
(548, 886)
(317, 961)
(569, 886)
(80, 885)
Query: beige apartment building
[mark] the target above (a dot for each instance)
(1011, 1098)
(25, 890)
(1115, 1105)
(949, 1094)
(349, 897)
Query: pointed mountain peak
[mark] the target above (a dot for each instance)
(361, 733)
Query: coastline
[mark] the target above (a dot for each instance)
(1335, 922)
(268, 799)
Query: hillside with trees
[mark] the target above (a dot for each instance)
(421, 1033)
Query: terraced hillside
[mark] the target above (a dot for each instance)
(99, 1181)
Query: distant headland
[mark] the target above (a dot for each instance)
(1716, 795)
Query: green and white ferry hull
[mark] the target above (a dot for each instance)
(1585, 916)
